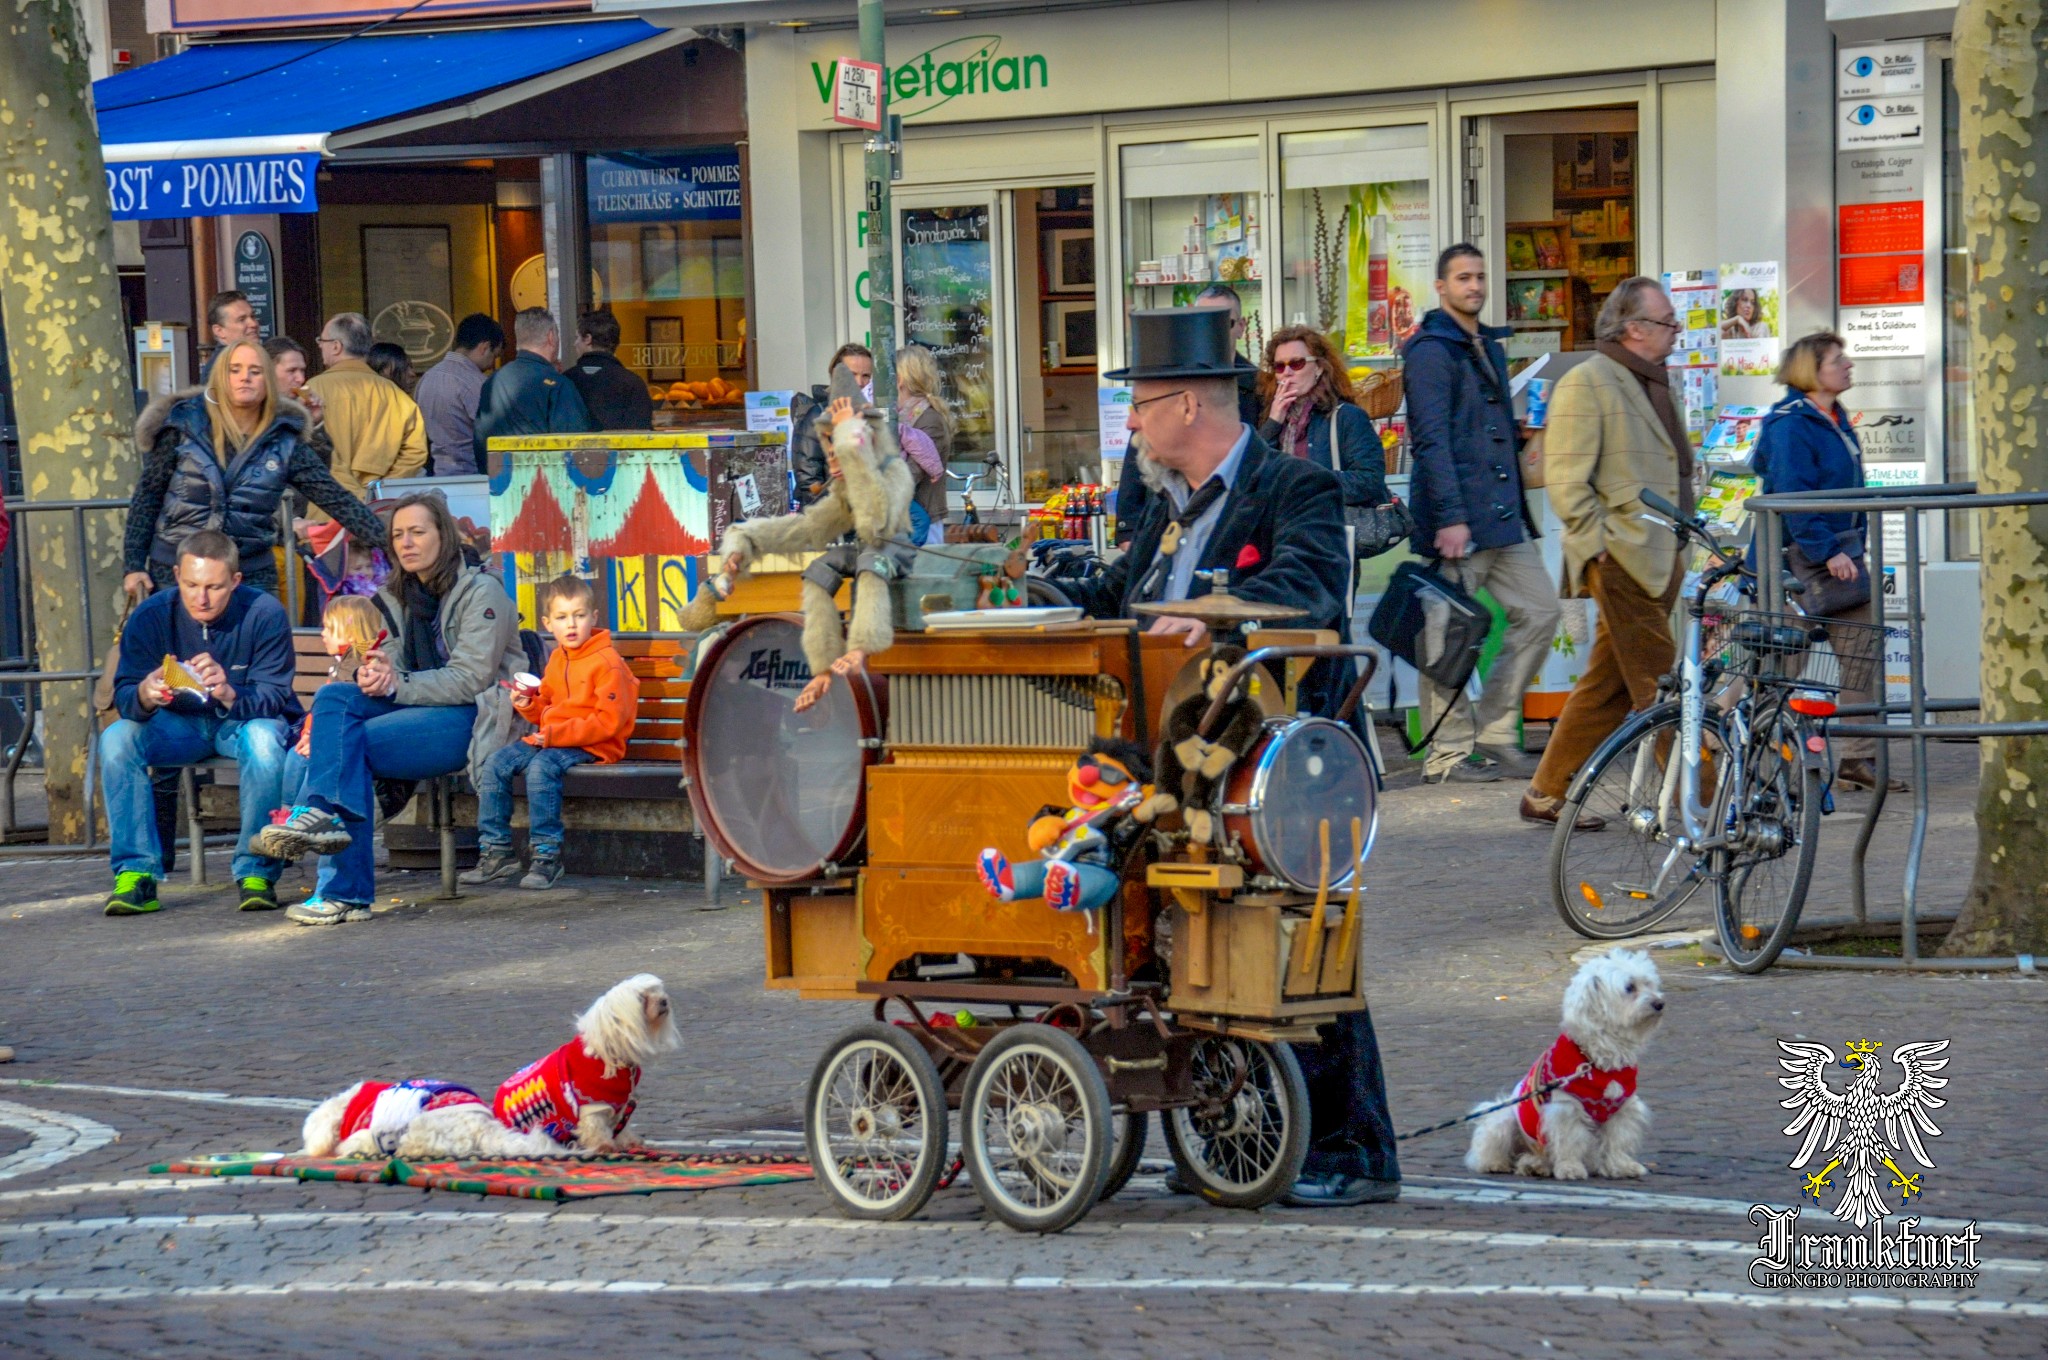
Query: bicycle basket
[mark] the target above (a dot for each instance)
(1824, 656)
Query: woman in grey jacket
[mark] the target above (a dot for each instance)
(426, 703)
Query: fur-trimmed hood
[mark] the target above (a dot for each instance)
(186, 411)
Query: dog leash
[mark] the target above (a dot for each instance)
(1536, 1094)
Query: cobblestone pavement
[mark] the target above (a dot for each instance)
(205, 1030)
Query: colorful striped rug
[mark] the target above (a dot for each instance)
(543, 1178)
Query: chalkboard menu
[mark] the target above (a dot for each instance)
(948, 290)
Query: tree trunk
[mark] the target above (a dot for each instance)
(2001, 48)
(74, 401)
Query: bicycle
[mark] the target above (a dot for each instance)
(992, 469)
(1740, 808)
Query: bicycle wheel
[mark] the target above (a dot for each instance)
(1638, 869)
(1773, 821)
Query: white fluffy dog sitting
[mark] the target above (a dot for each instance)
(1595, 1123)
(421, 1119)
(582, 1093)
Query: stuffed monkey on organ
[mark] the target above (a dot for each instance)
(1187, 767)
(868, 497)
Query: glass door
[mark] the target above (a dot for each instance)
(949, 249)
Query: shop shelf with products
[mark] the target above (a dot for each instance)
(1192, 215)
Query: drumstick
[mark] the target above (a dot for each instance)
(1347, 942)
(1306, 958)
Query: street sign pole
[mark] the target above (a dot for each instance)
(881, 219)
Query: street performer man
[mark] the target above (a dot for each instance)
(1228, 501)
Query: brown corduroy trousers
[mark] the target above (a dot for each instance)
(1632, 650)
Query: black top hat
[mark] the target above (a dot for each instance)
(1180, 342)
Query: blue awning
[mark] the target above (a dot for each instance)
(257, 114)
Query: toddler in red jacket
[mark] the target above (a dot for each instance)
(585, 708)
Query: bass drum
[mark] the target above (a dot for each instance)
(1301, 771)
(781, 794)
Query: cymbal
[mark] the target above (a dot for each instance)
(1215, 608)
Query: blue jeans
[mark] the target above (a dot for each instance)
(544, 767)
(130, 750)
(358, 739)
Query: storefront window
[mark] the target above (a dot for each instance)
(948, 307)
(1190, 220)
(1358, 235)
(667, 256)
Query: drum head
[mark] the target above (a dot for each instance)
(779, 792)
(1309, 770)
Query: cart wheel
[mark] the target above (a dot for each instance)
(1125, 1149)
(1034, 1128)
(1247, 1152)
(875, 1123)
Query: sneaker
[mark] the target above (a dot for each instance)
(994, 870)
(297, 831)
(1511, 759)
(1062, 886)
(545, 873)
(491, 866)
(318, 911)
(1473, 769)
(258, 895)
(134, 895)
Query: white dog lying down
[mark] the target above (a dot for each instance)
(577, 1097)
(1595, 1123)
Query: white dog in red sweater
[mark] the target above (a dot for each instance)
(1595, 1123)
(583, 1092)
(422, 1119)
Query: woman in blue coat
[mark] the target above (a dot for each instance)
(1808, 444)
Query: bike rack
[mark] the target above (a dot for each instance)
(1911, 502)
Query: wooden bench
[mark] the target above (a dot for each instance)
(652, 768)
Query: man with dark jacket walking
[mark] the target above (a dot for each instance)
(1470, 516)
(616, 397)
(229, 693)
(528, 396)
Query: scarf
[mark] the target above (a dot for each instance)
(1294, 435)
(1657, 387)
(1153, 586)
(422, 625)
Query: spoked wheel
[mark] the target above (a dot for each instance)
(1637, 870)
(1774, 824)
(875, 1123)
(1035, 1128)
(1242, 1144)
(1127, 1146)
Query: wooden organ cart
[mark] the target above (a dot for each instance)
(1055, 1034)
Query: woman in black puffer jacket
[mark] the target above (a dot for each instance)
(222, 457)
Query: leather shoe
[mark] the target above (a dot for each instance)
(1335, 1190)
(1862, 774)
(1175, 1185)
(1549, 810)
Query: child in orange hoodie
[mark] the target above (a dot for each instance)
(585, 710)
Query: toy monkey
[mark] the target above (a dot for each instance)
(1189, 767)
(1003, 587)
(869, 497)
(1079, 847)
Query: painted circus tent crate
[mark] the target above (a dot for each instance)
(634, 511)
(882, 827)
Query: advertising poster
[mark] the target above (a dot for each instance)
(1749, 319)
(1390, 266)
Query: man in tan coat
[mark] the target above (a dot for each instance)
(376, 429)
(1615, 432)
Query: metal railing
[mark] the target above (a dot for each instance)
(1874, 503)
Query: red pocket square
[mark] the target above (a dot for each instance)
(1248, 557)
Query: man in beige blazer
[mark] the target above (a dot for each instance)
(377, 430)
(1615, 432)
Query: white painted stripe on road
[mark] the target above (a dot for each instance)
(143, 1185)
(55, 1137)
(1989, 1309)
(204, 1097)
(1204, 1230)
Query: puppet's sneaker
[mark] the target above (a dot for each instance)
(994, 870)
(1062, 886)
